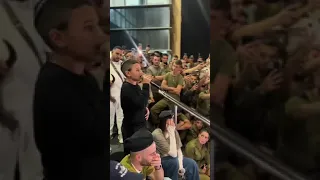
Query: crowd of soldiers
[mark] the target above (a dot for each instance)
(265, 65)
(186, 80)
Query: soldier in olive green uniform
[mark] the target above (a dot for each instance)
(183, 125)
(194, 131)
(173, 83)
(166, 69)
(221, 71)
(203, 104)
(155, 71)
(198, 150)
(300, 133)
(165, 64)
(223, 61)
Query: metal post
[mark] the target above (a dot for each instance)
(175, 114)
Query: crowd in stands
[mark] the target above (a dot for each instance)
(182, 146)
(265, 83)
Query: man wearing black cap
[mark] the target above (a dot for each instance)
(119, 172)
(143, 157)
(134, 101)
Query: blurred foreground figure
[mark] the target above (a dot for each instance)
(69, 107)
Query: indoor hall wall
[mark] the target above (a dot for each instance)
(126, 18)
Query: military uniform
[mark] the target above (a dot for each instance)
(173, 81)
(223, 62)
(224, 59)
(192, 133)
(199, 153)
(165, 70)
(203, 105)
(182, 133)
(155, 71)
(300, 138)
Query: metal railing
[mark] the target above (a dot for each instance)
(239, 144)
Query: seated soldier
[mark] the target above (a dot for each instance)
(194, 131)
(169, 146)
(172, 83)
(183, 125)
(143, 158)
(203, 104)
(198, 150)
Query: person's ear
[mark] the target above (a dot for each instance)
(127, 73)
(57, 38)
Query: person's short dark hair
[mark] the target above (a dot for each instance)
(54, 14)
(127, 65)
(178, 62)
(117, 47)
(163, 117)
(176, 56)
(156, 54)
(164, 54)
(127, 52)
(220, 5)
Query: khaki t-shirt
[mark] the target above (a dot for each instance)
(197, 152)
(165, 70)
(146, 170)
(223, 61)
(154, 71)
(223, 58)
(203, 105)
(300, 137)
(174, 81)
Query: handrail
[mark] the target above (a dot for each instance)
(240, 145)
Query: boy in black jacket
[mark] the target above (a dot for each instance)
(69, 107)
(134, 101)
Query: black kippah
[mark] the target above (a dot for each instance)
(139, 141)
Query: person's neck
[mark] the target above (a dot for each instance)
(199, 144)
(69, 63)
(136, 165)
(131, 81)
(175, 73)
(115, 61)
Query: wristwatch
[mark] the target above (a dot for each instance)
(158, 167)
